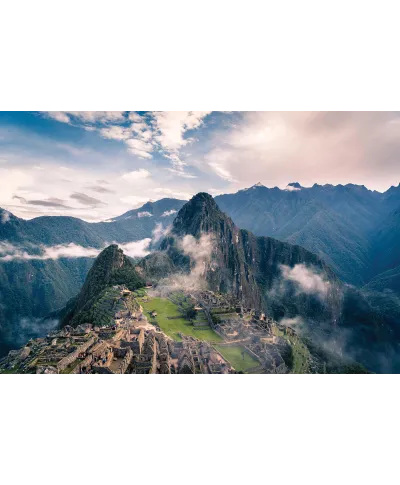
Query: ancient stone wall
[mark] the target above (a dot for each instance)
(66, 361)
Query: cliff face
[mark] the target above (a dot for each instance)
(248, 266)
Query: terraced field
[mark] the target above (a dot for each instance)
(237, 357)
(172, 323)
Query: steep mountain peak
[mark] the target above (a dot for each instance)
(111, 267)
(200, 214)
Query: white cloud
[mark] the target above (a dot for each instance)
(99, 116)
(160, 231)
(11, 181)
(173, 193)
(168, 213)
(60, 116)
(307, 280)
(10, 252)
(221, 171)
(140, 148)
(115, 133)
(134, 200)
(199, 251)
(136, 249)
(136, 175)
(144, 214)
(170, 128)
(292, 322)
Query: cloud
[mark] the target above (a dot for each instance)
(9, 252)
(134, 200)
(50, 202)
(144, 214)
(160, 231)
(169, 213)
(221, 171)
(306, 280)
(173, 193)
(100, 189)
(172, 125)
(136, 249)
(86, 199)
(140, 148)
(99, 116)
(32, 328)
(136, 175)
(330, 147)
(116, 133)
(199, 251)
(60, 116)
(170, 128)
(292, 322)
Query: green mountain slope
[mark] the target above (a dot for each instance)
(110, 268)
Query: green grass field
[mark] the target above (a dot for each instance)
(165, 308)
(233, 354)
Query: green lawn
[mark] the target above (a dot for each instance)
(165, 308)
(233, 354)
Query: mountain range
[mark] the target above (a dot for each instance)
(339, 223)
(347, 232)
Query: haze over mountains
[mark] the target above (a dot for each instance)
(349, 232)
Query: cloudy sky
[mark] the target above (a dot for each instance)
(97, 165)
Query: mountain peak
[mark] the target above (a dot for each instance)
(111, 267)
(200, 214)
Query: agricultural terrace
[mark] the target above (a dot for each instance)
(238, 357)
(171, 321)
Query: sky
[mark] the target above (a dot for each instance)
(99, 164)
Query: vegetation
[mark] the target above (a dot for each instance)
(238, 357)
(171, 321)
(299, 359)
(111, 268)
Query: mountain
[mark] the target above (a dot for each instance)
(50, 230)
(385, 254)
(286, 281)
(31, 288)
(247, 266)
(352, 231)
(335, 222)
(110, 268)
(386, 281)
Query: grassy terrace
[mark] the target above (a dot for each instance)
(300, 352)
(237, 357)
(172, 326)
